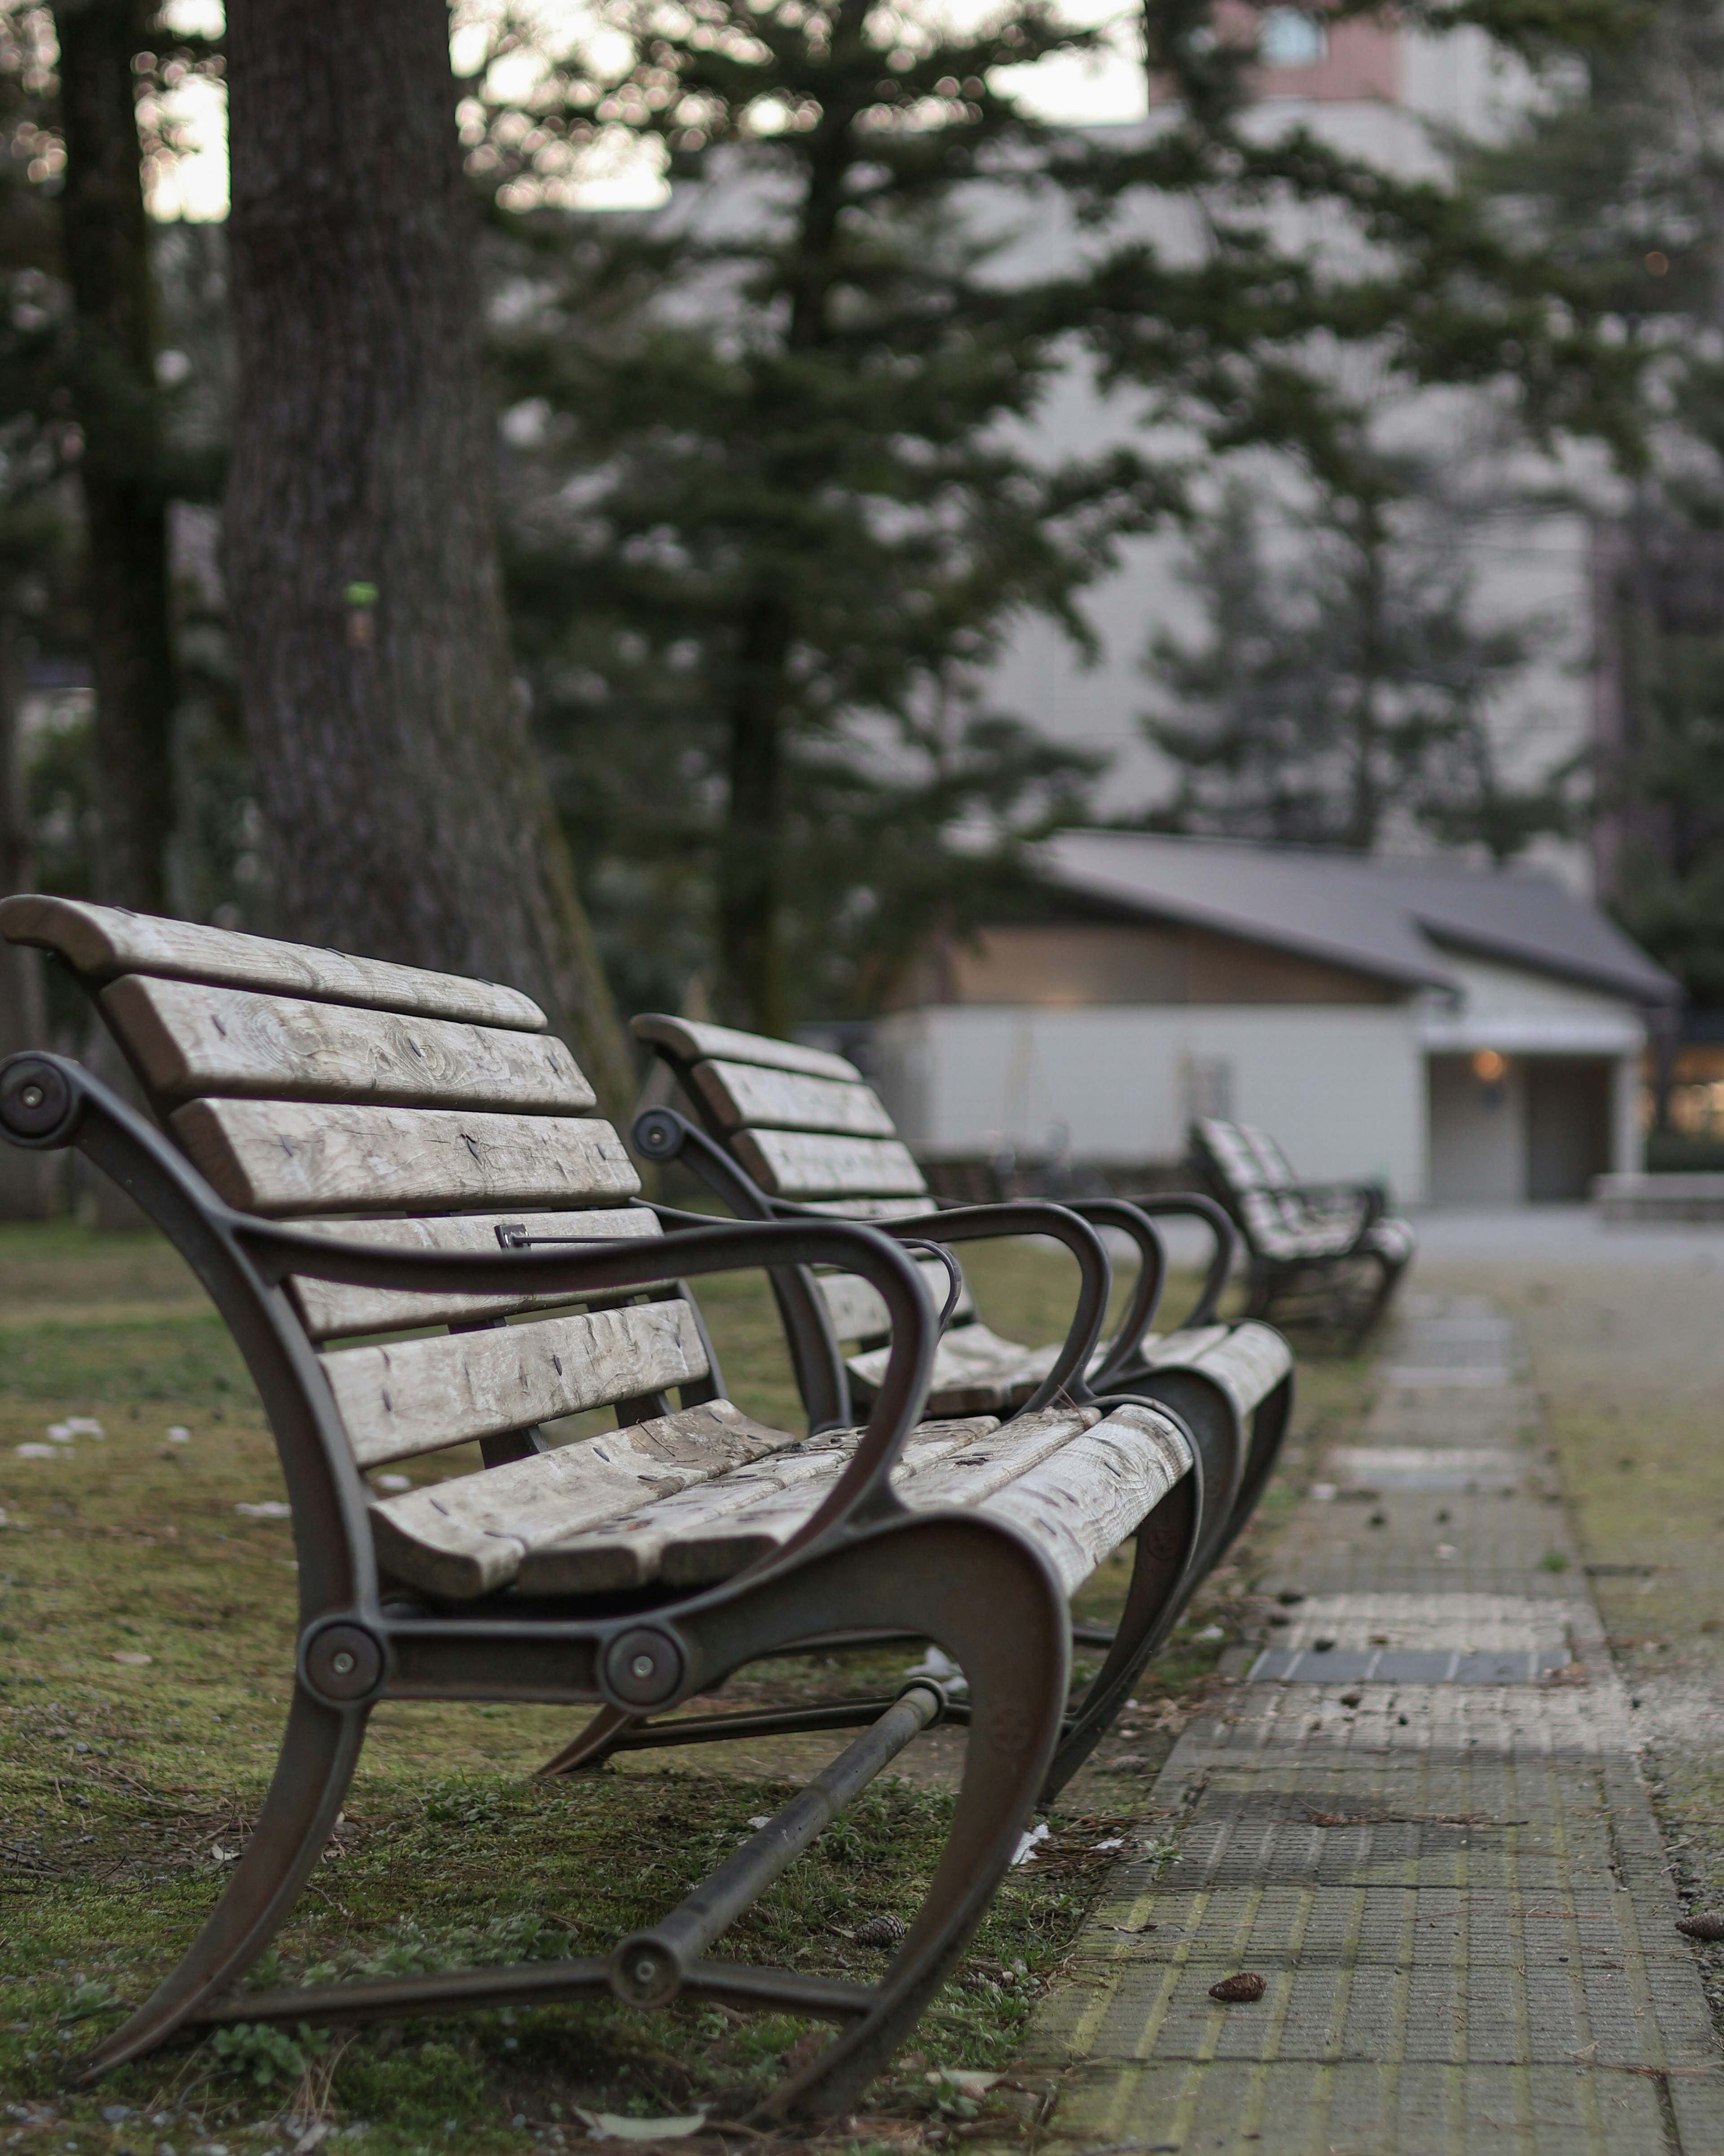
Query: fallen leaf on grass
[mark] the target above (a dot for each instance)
(133, 1661)
(612, 2126)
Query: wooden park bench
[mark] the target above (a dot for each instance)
(1329, 1250)
(391, 1186)
(793, 1132)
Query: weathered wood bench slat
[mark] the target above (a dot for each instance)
(1247, 1360)
(741, 1094)
(418, 1396)
(867, 1208)
(629, 1552)
(857, 1312)
(282, 1157)
(975, 1370)
(795, 1165)
(468, 1536)
(965, 1476)
(100, 942)
(188, 1038)
(331, 1311)
(695, 1042)
(1091, 1495)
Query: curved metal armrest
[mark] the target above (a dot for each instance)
(661, 1134)
(1193, 1204)
(1151, 1277)
(1031, 1216)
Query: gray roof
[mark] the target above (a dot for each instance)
(1392, 919)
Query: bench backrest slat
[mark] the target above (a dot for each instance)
(188, 1038)
(417, 1396)
(282, 1158)
(102, 942)
(695, 1043)
(305, 1083)
(798, 1164)
(743, 1096)
(332, 1312)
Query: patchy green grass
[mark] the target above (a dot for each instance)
(147, 1628)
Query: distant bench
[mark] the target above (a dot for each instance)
(1324, 1250)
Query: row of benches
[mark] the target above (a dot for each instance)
(392, 1185)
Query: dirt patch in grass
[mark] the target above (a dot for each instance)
(146, 1625)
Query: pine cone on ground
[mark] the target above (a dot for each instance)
(882, 1931)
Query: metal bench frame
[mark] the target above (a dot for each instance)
(863, 1562)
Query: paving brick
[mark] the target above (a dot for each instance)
(1453, 1888)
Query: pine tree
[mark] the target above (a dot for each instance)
(1617, 176)
(770, 518)
(1343, 693)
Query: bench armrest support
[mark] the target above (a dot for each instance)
(661, 1134)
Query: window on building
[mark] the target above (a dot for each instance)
(1291, 38)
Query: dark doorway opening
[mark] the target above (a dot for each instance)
(1568, 1124)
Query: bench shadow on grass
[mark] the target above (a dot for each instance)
(145, 1637)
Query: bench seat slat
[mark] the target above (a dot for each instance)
(332, 1312)
(858, 1311)
(975, 1371)
(869, 1208)
(797, 1164)
(963, 1474)
(468, 1536)
(188, 1038)
(695, 1042)
(101, 942)
(1096, 1492)
(630, 1552)
(1247, 1360)
(282, 1158)
(741, 1095)
(418, 1396)
(1069, 1480)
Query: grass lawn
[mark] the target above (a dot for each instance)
(146, 1623)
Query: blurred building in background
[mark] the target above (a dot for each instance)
(1469, 1036)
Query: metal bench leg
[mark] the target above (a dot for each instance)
(591, 1745)
(1162, 1576)
(993, 1605)
(319, 1751)
(1268, 1426)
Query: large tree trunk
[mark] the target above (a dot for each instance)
(407, 813)
(751, 896)
(105, 235)
(27, 1179)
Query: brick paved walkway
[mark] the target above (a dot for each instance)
(1419, 1820)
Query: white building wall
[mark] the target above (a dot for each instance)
(1525, 1013)
(1342, 1086)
